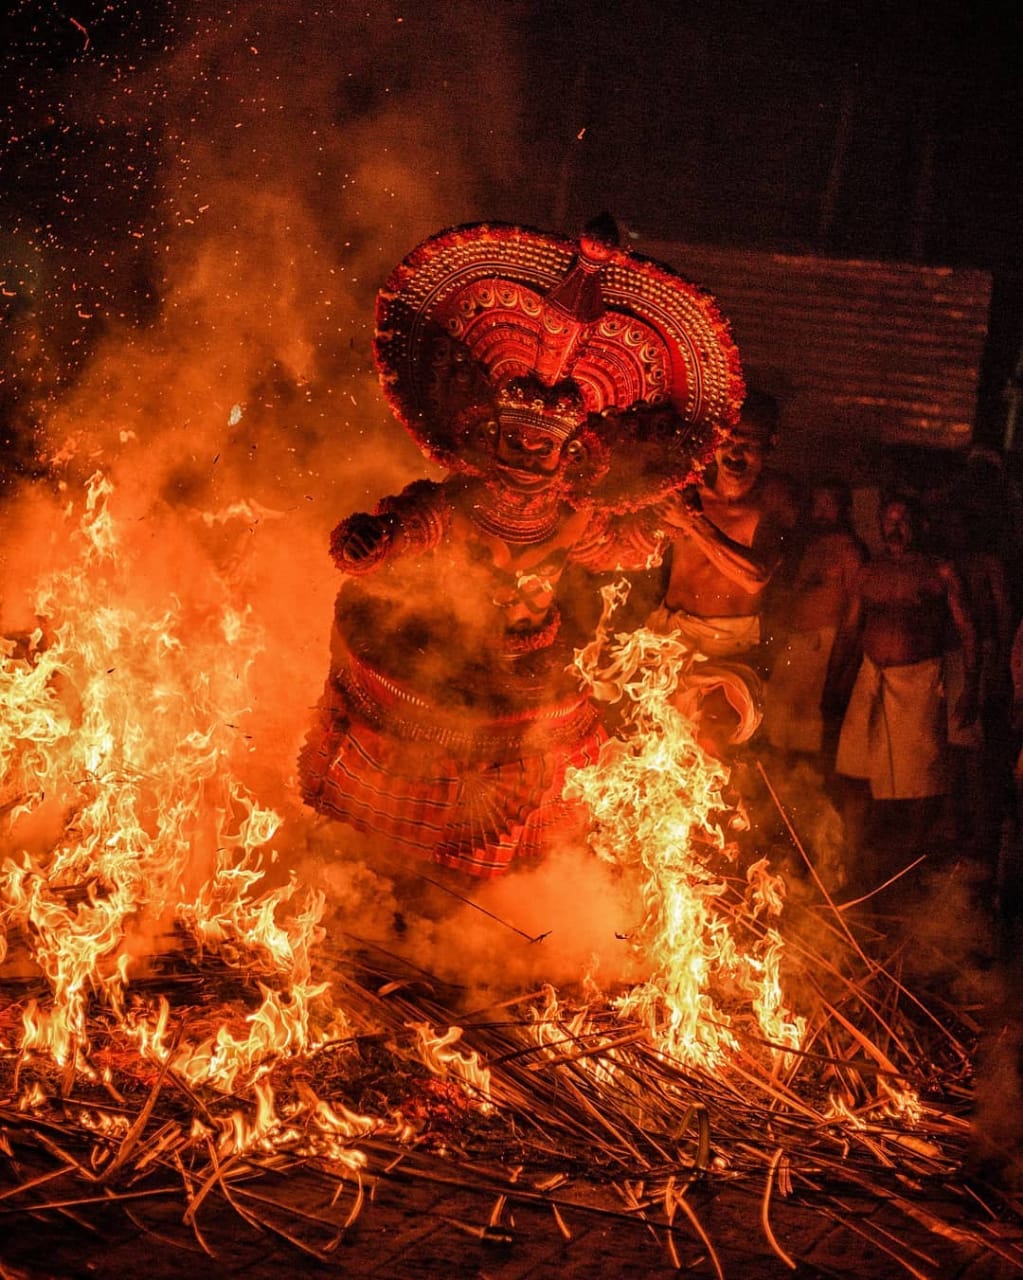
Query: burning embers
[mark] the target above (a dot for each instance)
(126, 820)
(125, 817)
(129, 838)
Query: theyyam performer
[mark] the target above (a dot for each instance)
(565, 388)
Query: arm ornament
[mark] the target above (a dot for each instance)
(414, 520)
(633, 541)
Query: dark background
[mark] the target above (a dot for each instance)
(864, 130)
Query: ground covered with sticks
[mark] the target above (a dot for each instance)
(541, 1134)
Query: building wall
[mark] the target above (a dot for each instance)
(861, 355)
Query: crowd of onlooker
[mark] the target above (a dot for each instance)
(893, 660)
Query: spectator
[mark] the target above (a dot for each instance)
(813, 606)
(889, 652)
(980, 749)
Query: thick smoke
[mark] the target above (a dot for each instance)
(200, 329)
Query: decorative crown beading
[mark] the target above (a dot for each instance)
(527, 402)
(475, 307)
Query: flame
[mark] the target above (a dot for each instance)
(439, 1055)
(661, 811)
(126, 819)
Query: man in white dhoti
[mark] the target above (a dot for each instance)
(889, 647)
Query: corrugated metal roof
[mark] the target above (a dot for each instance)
(858, 353)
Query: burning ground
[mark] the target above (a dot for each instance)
(189, 1018)
(211, 998)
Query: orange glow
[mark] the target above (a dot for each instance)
(128, 830)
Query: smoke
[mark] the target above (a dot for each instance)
(564, 920)
(265, 166)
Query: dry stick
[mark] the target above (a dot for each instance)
(595, 1052)
(35, 1182)
(872, 965)
(917, 1253)
(298, 1213)
(264, 1224)
(207, 1185)
(764, 1215)
(873, 1238)
(109, 1198)
(186, 1182)
(697, 1226)
(904, 871)
(147, 1230)
(959, 1235)
(469, 902)
(131, 1138)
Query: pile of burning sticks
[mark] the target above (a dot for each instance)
(179, 1041)
(524, 1100)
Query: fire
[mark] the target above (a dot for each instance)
(439, 1054)
(129, 832)
(126, 821)
(662, 812)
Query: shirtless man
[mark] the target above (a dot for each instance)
(727, 542)
(811, 610)
(895, 732)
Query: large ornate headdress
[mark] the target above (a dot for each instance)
(480, 309)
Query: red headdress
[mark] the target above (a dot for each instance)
(477, 306)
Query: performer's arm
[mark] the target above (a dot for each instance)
(637, 540)
(413, 520)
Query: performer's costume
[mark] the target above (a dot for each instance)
(566, 387)
(792, 705)
(895, 731)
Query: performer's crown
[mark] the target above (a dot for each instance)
(529, 402)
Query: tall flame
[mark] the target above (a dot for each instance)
(661, 810)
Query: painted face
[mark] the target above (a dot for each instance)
(740, 460)
(529, 455)
(898, 528)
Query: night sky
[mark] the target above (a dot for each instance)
(303, 148)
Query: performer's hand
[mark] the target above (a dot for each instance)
(691, 500)
(360, 541)
(681, 507)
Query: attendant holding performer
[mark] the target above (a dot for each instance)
(728, 535)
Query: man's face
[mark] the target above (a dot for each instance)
(740, 460)
(898, 528)
(825, 510)
(529, 456)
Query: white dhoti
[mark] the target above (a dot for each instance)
(716, 640)
(792, 705)
(895, 731)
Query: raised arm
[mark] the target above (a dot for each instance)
(748, 567)
(413, 520)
